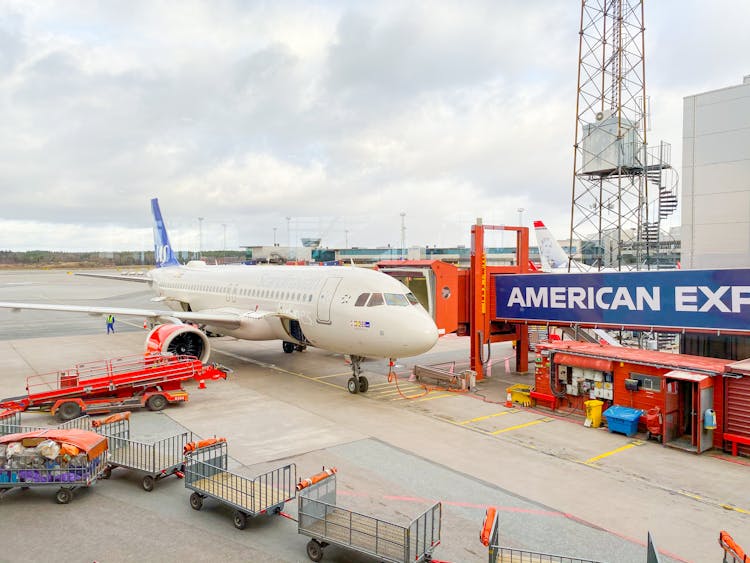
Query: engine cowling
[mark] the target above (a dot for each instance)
(181, 340)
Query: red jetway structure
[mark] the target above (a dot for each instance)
(463, 300)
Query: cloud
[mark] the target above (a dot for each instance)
(339, 115)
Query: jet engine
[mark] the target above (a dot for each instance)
(178, 339)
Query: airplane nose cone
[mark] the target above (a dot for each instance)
(423, 337)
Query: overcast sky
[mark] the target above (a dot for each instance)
(337, 114)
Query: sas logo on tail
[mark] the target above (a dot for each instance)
(360, 324)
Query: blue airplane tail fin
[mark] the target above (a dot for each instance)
(163, 255)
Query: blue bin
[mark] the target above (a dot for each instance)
(623, 419)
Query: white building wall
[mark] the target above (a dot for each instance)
(716, 178)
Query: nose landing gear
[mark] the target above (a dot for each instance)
(357, 383)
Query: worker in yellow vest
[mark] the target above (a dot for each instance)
(110, 324)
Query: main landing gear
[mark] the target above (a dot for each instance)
(357, 383)
(290, 347)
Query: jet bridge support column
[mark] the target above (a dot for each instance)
(481, 291)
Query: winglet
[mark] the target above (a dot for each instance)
(163, 255)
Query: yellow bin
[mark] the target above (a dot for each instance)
(594, 412)
(520, 393)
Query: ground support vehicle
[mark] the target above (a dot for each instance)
(150, 381)
(326, 523)
(207, 475)
(67, 459)
(156, 460)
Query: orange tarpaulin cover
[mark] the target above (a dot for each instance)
(91, 443)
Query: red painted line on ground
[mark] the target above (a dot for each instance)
(730, 460)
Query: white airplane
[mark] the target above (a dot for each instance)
(347, 310)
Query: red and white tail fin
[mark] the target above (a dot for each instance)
(551, 254)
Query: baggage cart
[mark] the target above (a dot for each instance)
(490, 538)
(156, 460)
(321, 519)
(207, 475)
(78, 464)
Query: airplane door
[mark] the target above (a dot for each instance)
(325, 298)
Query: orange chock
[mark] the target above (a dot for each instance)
(201, 384)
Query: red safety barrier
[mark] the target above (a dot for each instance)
(317, 478)
(489, 521)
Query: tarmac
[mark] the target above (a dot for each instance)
(559, 487)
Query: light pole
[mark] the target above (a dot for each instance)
(403, 234)
(274, 236)
(346, 238)
(289, 236)
(200, 237)
(520, 216)
(225, 237)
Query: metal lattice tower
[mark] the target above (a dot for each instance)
(612, 164)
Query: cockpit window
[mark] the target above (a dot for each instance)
(376, 299)
(361, 300)
(413, 300)
(397, 299)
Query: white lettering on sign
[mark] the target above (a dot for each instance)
(687, 298)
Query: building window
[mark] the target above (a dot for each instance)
(647, 382)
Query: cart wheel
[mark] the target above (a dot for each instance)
(68, 411)
(107, 472)
(240, 520)
(196, 501)
(364, 384)
(156, 402)
(351, 385)
(63, 496)
(148, 483)
(314, 550)
(648, 435)
(288, 347)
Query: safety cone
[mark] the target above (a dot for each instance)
(145, 325)
(508, 400)
(201, 384)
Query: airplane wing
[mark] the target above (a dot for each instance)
(224, 319)
(142, 278)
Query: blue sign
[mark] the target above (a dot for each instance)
(700, 299)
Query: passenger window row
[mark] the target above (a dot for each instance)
(246, 292)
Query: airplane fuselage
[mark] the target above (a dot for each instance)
(329, 307)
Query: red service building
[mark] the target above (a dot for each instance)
(702, 402)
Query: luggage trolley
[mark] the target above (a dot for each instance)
(206, 474)
(326, 523)
(157, 460)
(68, 459)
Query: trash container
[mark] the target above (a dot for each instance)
(623, 419)
(594, 412)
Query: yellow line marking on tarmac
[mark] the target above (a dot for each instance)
(333, 375)
(632, 444)
(392, 391)
(445, 396)
(517, 426)
(387, 393)
(274, 367)
(736, 509)
(408, 397)
(376, 385)
(477, 419)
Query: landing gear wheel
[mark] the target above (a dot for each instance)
(148, 483)
(196, 501)
(314, 550)
(63, 496)
(300, 347)
(156, 402)
(288, 347)
(352, 385)
(240, 520)
(364, 384)
(68, 411)
(107, 472)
